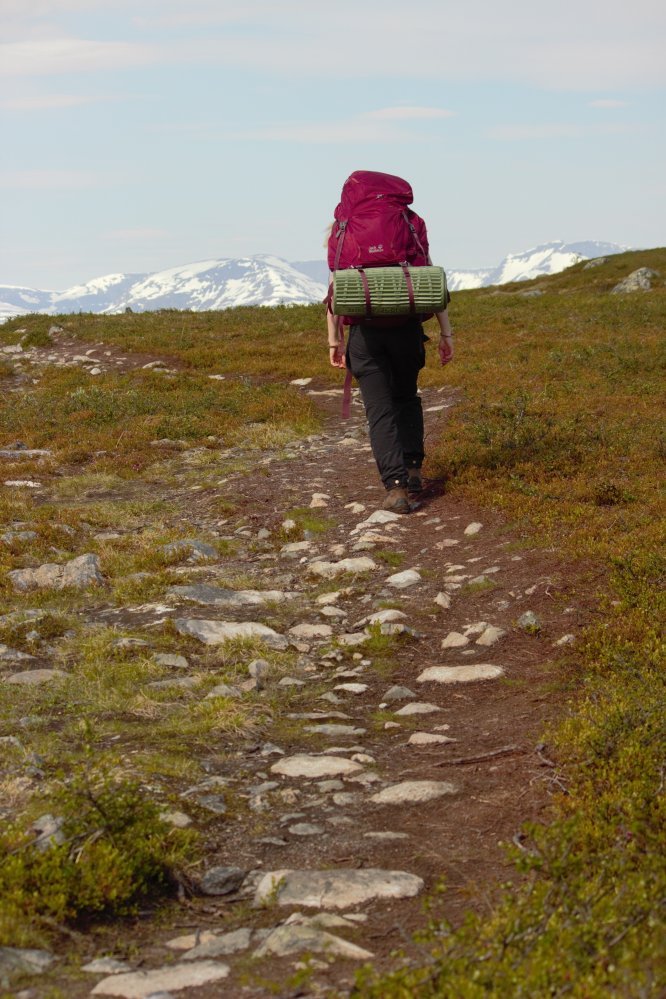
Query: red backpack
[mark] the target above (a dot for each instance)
(373, 225)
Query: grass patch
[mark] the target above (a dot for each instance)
(112, 849)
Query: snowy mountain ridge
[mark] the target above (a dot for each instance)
(261, 280)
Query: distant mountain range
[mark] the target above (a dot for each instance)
(260, 280)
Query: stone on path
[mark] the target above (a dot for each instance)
(385, 835)
(527, 621)
(443, 600)
(337, 888)
(306, 631)
(195, 550)
(319, 500)
(418, 708)
(315, 766)
(428, 739)
(490, 635)
(460, 674)
(413, 792)
(13, 655)
(398, 694)
(454, 640)
(140, 984)
(32, 677)
(378, 517)
(401, 580)
(17, 960)
(217, 596)
(216, 632)
(390, 614)
(105, 966)
(222, 880)
(306, 829)
(296, 938)
(79, 572)
(214, 945)
(330, 569)
(353, 638)
(352, 688)
(472, 529)
(334, 730)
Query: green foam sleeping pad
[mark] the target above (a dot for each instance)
(388, 291)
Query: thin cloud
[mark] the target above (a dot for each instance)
(405, 113)
(381, 125)
(608, 103)
(513, 133)
(45, 180)
(296, 38)
(73, 55)
(137, 234)
(47, 102)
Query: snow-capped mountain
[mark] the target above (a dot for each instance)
(262, 280)
(549, 258)
(209, 284)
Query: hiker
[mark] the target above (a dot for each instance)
(386, 355)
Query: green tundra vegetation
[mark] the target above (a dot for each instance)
(559, 426)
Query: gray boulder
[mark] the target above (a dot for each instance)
(639, 280)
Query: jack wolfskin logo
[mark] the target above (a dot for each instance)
(376, 249)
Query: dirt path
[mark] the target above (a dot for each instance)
(406, 751)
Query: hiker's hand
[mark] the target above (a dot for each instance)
(337, 357)
(445, 348)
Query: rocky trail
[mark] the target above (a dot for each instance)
(406, 747)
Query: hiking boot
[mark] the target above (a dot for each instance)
(396, 500)
(414, 482)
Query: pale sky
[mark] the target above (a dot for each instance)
(137, 135)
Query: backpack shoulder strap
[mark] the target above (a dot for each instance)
(415, 236)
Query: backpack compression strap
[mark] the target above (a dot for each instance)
(410, 288)
(342, 228)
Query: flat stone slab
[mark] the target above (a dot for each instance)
(212, 945)
(32, 677)
(378, 517)
(330, 569)
(428, 739)
(335, 889)
(216, 632)
(490, 635)
(13, 655)
(334, 730)
(140, 984)
(79, 572)
(306, 631)
(293, 939)
(460, 674)
(217, 596)
(389, 614)
(401, 580)
(454, 640)
(18, 960)
(315, 766)
(413, 792)
(418, 708)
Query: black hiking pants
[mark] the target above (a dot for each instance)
(386, 364)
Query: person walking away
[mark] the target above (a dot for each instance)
(385, 356)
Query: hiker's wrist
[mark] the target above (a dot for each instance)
(446, 336)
